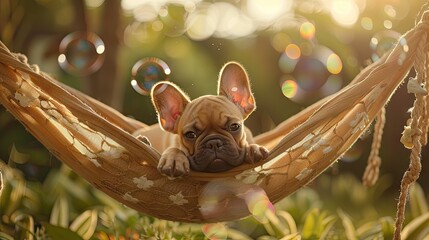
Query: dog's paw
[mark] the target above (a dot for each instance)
(174, 163)
(255, 153)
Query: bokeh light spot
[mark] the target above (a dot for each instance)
(387, 24)
(202, 23)
(307, 30)
(293, 51)
(81, 53)
(280, 41)
(289, 88)
(344, 12)
(267, 11)
(390, 11)
(367, 23)
(147, 72)
(334, 64)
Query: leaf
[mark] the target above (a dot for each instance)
(418, 203)
(60, 213)
(370, 230)
(293, 236)
(235, 234)
(348, 225)
(24, 225)
(387, 227)
(274, 226)
(56, 232)
(416, 228)
(328, 224)
(313, 225)
(85, 224)
(12, 191)
(5, 236)
(17, 157)
(287, 217)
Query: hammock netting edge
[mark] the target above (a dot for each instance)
(96, 141)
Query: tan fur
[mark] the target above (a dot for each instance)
(202, 134)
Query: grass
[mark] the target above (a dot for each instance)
(64, 206)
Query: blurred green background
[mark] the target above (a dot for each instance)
(295, 52)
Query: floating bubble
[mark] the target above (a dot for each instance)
(215, 231)
(367, 23)
(221, 199)
(289, 88)
(147, 72)
(382, 42)
(354, 153)
(310, 73)
(310, 77)
(307, 30)
(332, 85)
(81, 53)
(287, 64)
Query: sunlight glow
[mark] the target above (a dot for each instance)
(344, 12)
(267, 11)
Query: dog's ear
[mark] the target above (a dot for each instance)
(169, 102)
(234, 84)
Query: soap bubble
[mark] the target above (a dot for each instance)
(81, 53)
(310, 76)
(382, 42)
(230, 198)
(354, 153)
(147, 72)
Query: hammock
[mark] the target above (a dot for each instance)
(96, 142)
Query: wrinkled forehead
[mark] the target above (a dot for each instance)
(207, 110)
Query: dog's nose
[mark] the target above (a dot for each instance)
(214, 144)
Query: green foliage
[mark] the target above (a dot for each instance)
(66, 207)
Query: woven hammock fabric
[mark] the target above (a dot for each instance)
(96, 142)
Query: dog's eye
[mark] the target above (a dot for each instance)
(234, 127)
(190, 135)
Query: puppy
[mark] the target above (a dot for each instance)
(206, 134)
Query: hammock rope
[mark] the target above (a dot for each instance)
(412, 137)
(96, 142)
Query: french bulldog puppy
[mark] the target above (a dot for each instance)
(206, 134)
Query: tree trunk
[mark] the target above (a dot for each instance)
(104, 84)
